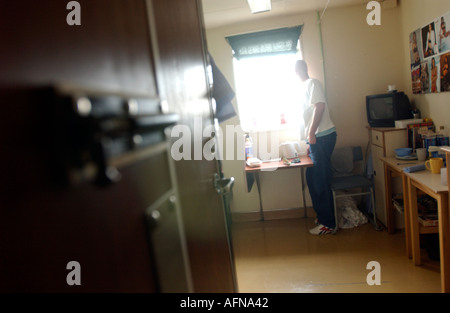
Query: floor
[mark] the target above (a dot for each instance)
(280, 256)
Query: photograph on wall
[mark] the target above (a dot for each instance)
(415, 76)
(429, 42)
(435, 74)
(429, 49)
(445, 73)
(415, 42)
(424, 77)
(444, 33)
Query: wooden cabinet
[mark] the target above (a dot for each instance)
(383, 142)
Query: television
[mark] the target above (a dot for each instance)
(384, 109)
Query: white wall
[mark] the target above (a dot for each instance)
(358, 60)
(416, 14)
(282, 189)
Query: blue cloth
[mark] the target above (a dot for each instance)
(414, 168)
(319, 179)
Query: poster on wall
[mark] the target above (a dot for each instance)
(445, 74)
(430, 57)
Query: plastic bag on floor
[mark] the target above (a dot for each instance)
(348, 214)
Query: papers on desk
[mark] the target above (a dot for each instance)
(414, 168)
(254, 162)
(272, 160)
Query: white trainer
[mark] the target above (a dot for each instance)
(321, 230)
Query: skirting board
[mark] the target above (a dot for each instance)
(239, 217)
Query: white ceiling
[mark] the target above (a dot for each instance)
(223, 12)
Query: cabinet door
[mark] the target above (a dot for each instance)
(377, 138)
(378, 153)
(393, 140)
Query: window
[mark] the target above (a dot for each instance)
(267, 91)
(267, 88)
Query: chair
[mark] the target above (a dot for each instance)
(348, 175)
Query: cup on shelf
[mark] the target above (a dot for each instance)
(421, 154)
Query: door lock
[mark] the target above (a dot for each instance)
(223, 186)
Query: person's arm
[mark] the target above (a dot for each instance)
(319, 108)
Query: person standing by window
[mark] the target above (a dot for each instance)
(320, 134)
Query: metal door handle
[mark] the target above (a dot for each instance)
(223, 186)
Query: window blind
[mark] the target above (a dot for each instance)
(264, 43)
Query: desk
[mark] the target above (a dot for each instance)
(252, 175)
(394, 168)
(430, 184)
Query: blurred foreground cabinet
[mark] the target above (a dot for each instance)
(87, 172)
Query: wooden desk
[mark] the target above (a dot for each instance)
(394, 168)
(430, 184)
(252, 175)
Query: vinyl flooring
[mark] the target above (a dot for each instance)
(280, 256)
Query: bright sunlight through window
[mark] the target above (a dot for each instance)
(267, 93)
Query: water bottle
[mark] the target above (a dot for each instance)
(442, 137)
(248, 147)
(430, 140)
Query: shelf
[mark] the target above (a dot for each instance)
(428, 229)
(398, 205)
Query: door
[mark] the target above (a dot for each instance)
(181, 73)
(45, 226)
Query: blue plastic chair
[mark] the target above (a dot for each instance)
(351, 179)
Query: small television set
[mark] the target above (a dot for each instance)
(384, 109)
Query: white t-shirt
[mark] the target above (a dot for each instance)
(313, 93)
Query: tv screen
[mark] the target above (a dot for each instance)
(381, 108)
(384, 109)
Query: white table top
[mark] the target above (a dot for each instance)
(425, 177)
(432, 181)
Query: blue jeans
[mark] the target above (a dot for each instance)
(319, 178)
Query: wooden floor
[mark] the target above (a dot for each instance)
(280, 256)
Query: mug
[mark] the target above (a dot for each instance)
(421, 154)
(435, 165)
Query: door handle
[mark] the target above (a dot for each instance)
(91, 130)
(223, 186)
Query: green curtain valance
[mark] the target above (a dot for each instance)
(263, 43)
